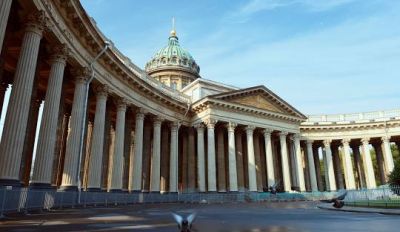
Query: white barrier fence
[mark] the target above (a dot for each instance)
(21, 200)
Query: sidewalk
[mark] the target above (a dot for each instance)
(361, 209)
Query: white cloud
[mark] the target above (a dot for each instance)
(345, 68)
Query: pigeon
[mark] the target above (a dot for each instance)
(184, 225)
(338, 202)
(273, 187)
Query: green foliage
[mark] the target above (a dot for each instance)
(394, 178)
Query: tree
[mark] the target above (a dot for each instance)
(394, 178)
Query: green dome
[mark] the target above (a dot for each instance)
(173, 56)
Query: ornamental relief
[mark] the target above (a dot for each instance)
(258, 101)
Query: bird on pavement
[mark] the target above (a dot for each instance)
(338, 202)
(273, 188)
(184, 224)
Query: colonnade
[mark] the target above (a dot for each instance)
(125, 147)
(348, 162)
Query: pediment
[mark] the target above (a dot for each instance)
(261, 98)
(258, 101)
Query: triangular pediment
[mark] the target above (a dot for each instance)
(261, 98)
(258, 101)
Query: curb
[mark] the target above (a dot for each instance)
(361, 210)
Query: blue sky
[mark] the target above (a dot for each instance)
(322, 56)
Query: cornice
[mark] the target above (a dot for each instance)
(77, 26)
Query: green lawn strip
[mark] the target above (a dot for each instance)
(375, 203)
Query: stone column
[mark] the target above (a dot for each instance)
(16, 120)
(387, 154)
(5, 6)
(239, 160)
(164, 159)
(137, 168)
(155, 162)
(191, 170)
(269, 160)
(299, 166)
(173, 170)
(69, 178)
(257, 161)
(379, 159)
(251, 160)
(3, 90)
(118, 158)
(48, 127)
(146, 160)
(367, 161)
(85, 159)
(221, 160)
(348, 166)
(184, 160)
(110, 161)
(211, 171)
(357, 163)
(285, 162)
(131, 160)
(127, 152)
(96, 151)
(63, 144)
(232, 157)
(201, 177)
(336, 167)
(331, 185)
(311, 166)
(27, 154)
(317, 168)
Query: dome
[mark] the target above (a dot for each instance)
(172, 57)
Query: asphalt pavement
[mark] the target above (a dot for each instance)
(240, 217)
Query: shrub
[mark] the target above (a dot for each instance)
(394, 179)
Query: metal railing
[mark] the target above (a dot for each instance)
(22, 200)
(385, 196)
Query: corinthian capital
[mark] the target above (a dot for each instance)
(101, 90)
(385, 139)
(121, 104)
(365, 141)
(327, 143)
(82, 74)
(59, 53)
(210, 123)
(36, 22)
(346, 142)
(231, 126)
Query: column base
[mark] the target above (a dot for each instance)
(41, 186)
(68, 188)
(10, 182)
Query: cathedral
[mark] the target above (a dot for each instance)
(109, 125)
